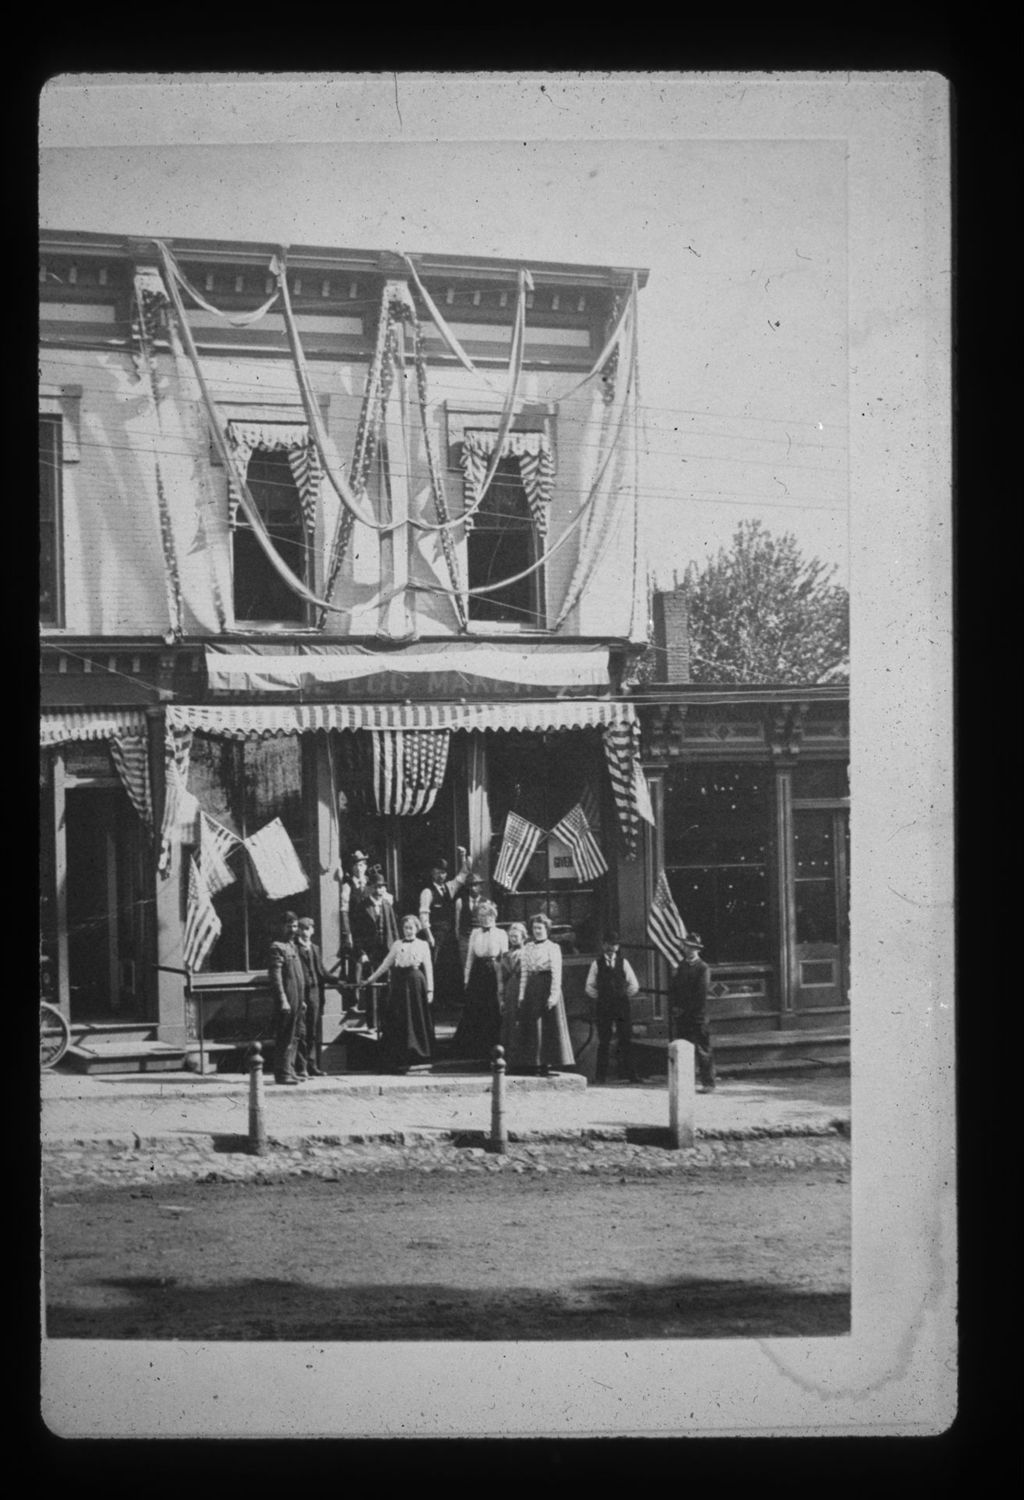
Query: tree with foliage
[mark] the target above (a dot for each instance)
(761, 613)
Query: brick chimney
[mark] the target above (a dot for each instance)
(671, 636)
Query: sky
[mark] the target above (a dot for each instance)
(743, 332)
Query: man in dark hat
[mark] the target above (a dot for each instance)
(288, 985)
(688, 998)
(353, 888)
(439, 926)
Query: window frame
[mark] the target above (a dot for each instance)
(240, 522)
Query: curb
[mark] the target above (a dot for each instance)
(650, 1135)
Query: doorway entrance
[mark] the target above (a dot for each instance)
(108, 916)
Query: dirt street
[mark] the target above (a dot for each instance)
(592, 1242)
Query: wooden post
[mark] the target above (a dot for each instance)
(680, 1093)
(257, 1124)
(499, 1130)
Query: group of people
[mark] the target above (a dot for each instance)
(507, 983)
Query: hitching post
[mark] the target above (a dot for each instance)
(680, 1093)
(499, 1131)
(257, 1126)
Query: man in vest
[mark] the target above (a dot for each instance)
(611, 984)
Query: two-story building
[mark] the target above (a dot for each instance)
(345, 539)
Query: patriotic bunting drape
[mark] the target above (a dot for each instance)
(177, 750)
(408, 769)
(130, 755)
(575, 831)
(275, 863)
(665, 927)
(622, 754)
(536, 466)
(292, 438)
(518, 847)
(202, 924)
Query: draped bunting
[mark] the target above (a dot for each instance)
(149, 298)
(408, 769)
(130, 754)
(621, 748)
(274, 437)
(536, 466)
(177, 750)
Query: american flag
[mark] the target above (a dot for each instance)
(202, 924)
(665, 927)
(215, 844)
(575, 831)
(517, 849)
(408, 769)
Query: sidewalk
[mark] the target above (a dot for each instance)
(171, 1110)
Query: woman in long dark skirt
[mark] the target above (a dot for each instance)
(407, 1034)
(480, 1028)
(544, 1043)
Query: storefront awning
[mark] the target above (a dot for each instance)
(254, 721)
(428, 671)
(69, 725)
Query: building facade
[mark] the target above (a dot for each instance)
(337, 542)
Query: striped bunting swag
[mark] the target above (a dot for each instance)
(665, 927)
(202, 924)
(538, 471)
(131, 757)
(517, 849)
(293, 438)
(620, 753)
(215, 844)
(408, 769)
(575, 831)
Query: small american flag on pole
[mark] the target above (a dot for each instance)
(575, 831)
(215, 844)
(202, 924)
(517, 849)
(665, 927)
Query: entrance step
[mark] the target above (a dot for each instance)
(758, 1051)
(111, 1055)
(126, 1033)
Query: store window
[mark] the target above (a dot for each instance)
(717, 837)
(244, 785)
(542, 777)
(260, 593)
(502, 543)
(50, 520)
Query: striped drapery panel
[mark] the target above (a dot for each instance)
(536, 466)
(621, 748)
(408, 769)
(293, 438)
(177, 751)
(130, 754)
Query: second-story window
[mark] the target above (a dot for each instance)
(260, 593)
(50, 520)
(502, 544)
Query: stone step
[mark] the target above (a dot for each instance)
(116, 1056)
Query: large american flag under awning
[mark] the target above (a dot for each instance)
(408, 769)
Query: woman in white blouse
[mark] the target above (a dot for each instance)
(543, 1030)
(407, 1033)
(480, 1028)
